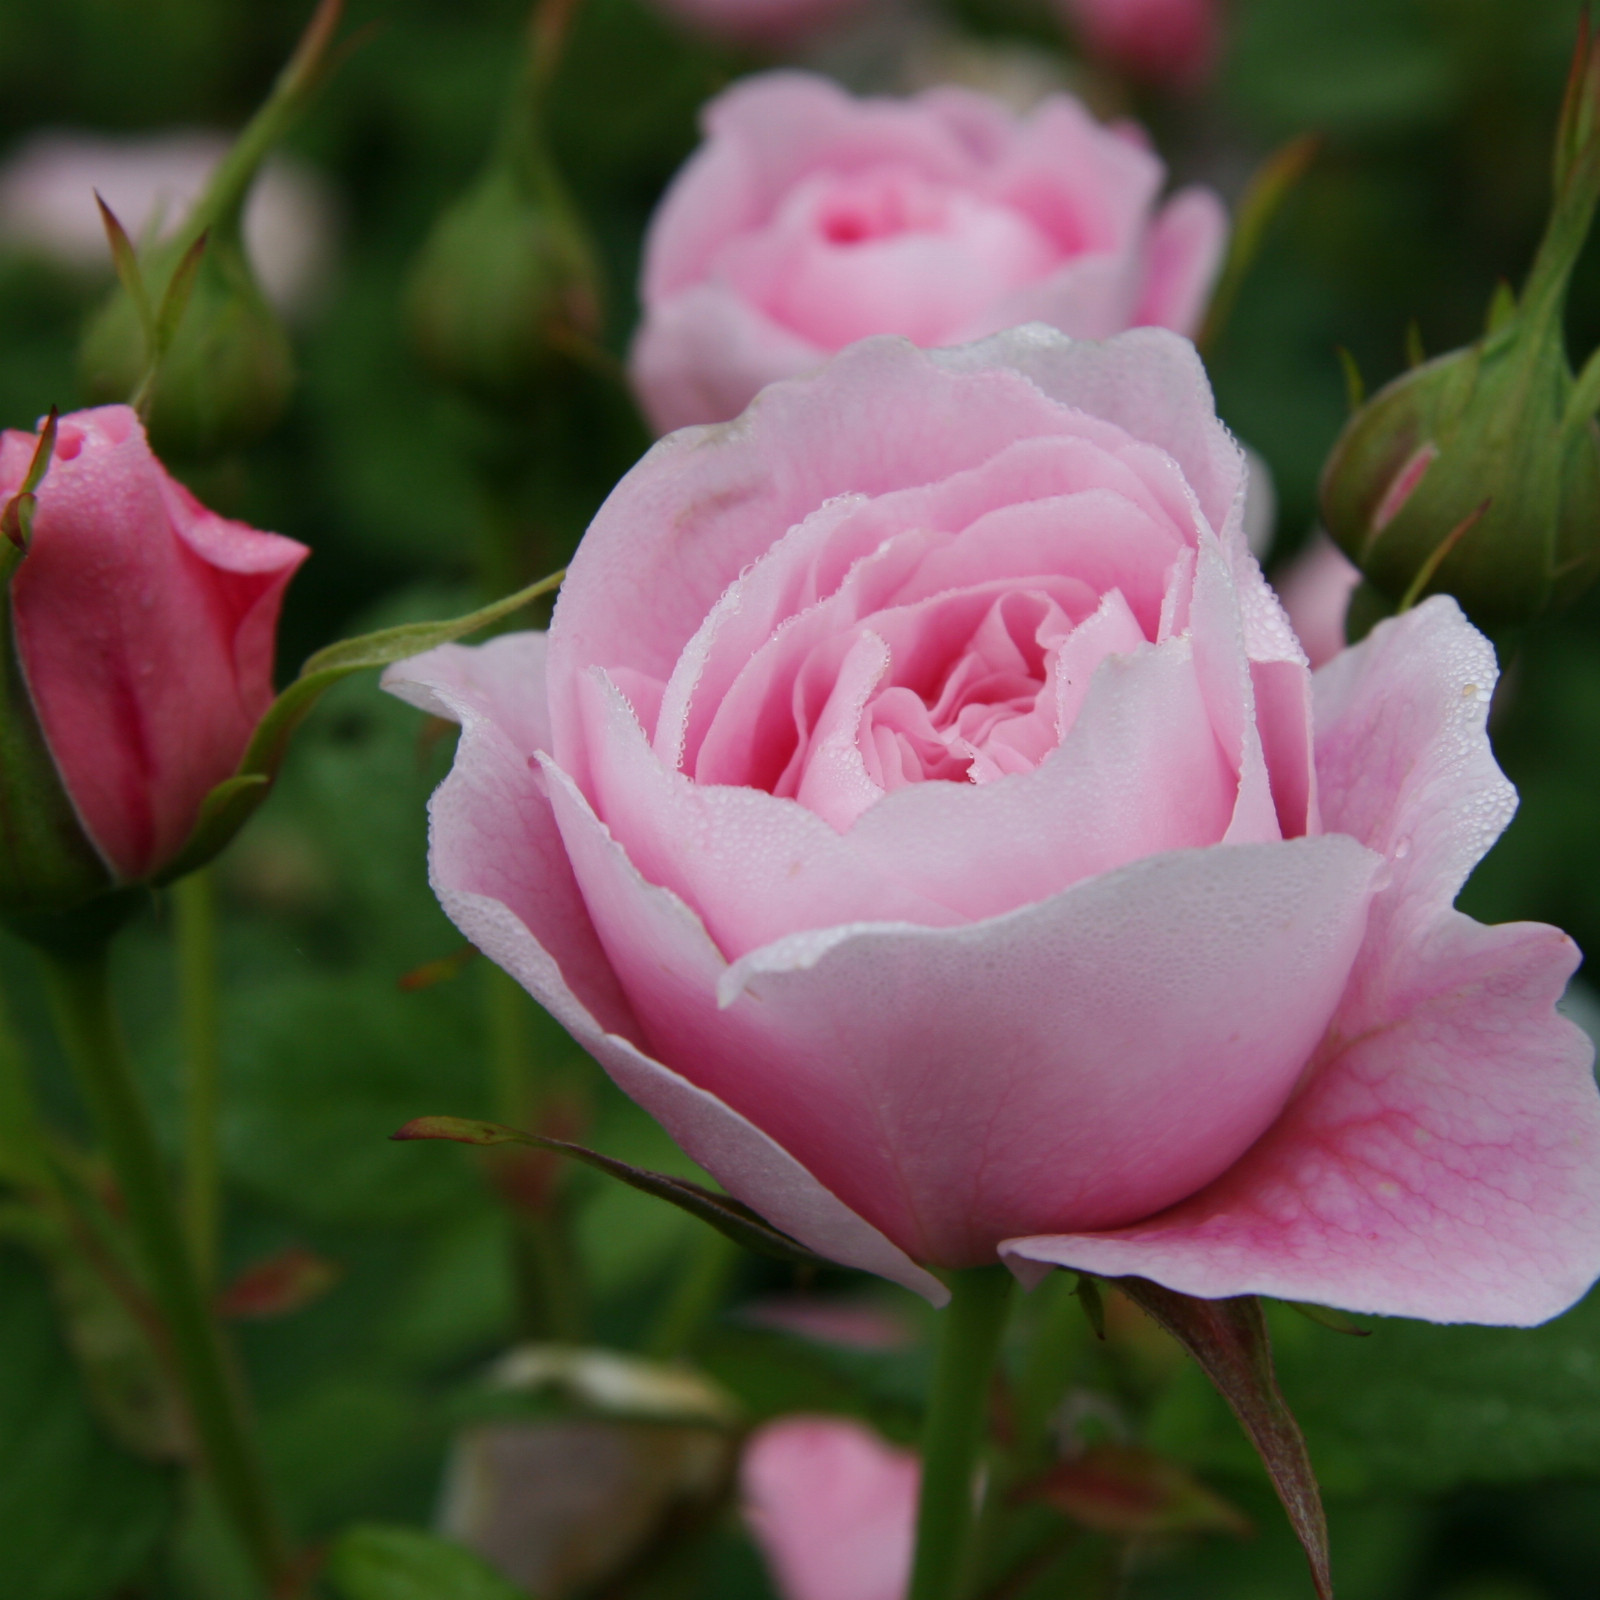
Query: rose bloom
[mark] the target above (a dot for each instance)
(1315, 589)
(832, 1508)
(809, 219)
(921, 804)
(1169, 42)
(145, 627)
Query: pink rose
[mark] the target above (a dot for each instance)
(1315, 589)
(144, 625)
(1172, 42)
(809, 219)
(832, 1507)
(921, 805)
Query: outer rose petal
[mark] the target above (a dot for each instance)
(145, 628)
(703, 355)
(1184, 254)
(497, 864)
(832, 1507)
(1443, 1158)
(947, 1082)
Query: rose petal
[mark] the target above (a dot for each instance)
(499, 868)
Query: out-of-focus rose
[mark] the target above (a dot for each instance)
(921, 804)
(144, 627)
(47, 204)
(809, 219)
(832, 1507)
(1172, 42)
(768, 23)
(1315, 589)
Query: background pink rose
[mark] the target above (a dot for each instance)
(809, 219)
(832, 1507)
(921, 804)
(145, 626)
(1315, 589)
(1172, 42)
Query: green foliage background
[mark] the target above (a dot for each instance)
(1461, 1464)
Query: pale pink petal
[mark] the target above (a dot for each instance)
(704, 504)
(498, 865)
(1149, 382)
(1446, 1166)
(868, 1035)
(1442, 1159)
(1182, 258)
(832, 1507)
(704, 354)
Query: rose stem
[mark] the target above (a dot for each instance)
(548, 1287)
(195, 907)
(696, 1294)
(79, 990)
(969, 1343)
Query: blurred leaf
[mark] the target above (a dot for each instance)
(279, 1285)
(375, 1562)
(1422, 1408)
(1230, 1341)
(1132, 1492)
(78, 1518)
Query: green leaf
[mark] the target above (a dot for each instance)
(1419, 1408)
(377, 1561)
(78, 1517)
(231, 804)
(1229, 1339)
(725, 1214)
(1270, 185)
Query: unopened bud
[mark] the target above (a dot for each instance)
(505, 280)
(1477, 474)
(225, 378)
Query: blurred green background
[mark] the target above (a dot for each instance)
(1460, 1464)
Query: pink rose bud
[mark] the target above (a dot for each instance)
(921, 804)
(832, 1507)
(810, 218)
(144, 628)
(1169, 42)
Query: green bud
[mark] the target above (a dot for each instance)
(224, 379)
(1477, 474)
(505, 279)
(187, 335)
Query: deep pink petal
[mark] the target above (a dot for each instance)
(832, 1507)
(145, 628)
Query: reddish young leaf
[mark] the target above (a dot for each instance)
(279, 1285)
(1128, 1491)
(1229, 1339)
